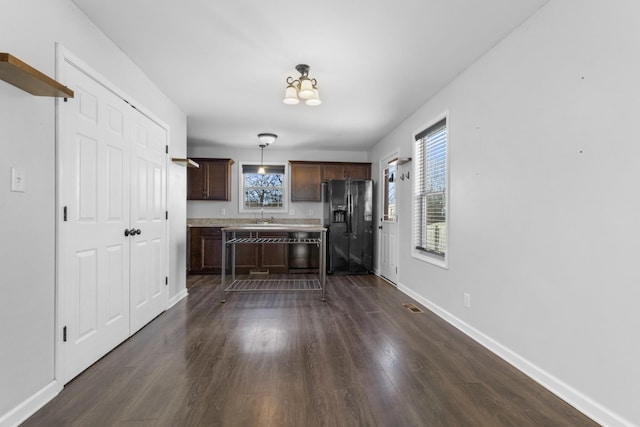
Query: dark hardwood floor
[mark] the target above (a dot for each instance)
(288, 359)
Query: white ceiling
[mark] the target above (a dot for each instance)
(225, 62)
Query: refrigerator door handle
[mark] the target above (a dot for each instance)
(349, 214)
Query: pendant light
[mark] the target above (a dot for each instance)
(265, 140)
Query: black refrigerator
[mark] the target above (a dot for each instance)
(348, 217)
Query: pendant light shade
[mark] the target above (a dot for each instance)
(306, 89)
(291, 95)
(314, 99)
(265, 139)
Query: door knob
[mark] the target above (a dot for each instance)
(131, 232)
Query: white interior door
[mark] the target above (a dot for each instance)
(112, 165)
(148, 207)
(94, 158)
(389, 220)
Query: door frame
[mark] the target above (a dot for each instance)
(383, 162)
(63, 55)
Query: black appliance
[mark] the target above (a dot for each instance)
(348, 217)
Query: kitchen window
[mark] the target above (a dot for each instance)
(263, 192)
(430, 226)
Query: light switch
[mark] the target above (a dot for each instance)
(18, 179)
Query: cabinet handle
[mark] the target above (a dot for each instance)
(126, 232)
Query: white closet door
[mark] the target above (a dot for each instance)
(148, 207)
(94, 162)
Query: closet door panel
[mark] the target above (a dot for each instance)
(148, 207)
(93, 156)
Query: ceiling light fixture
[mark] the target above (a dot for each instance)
(302, 88)
(265, 140)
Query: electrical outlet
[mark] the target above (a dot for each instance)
(292, 211)
(310, 212)
(223, 212)
(467, 300)
(18, 180)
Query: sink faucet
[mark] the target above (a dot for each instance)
(262, 220)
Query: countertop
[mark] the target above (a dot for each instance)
(232, 222)
(312, 228)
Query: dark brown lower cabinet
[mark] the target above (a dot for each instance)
(205, 250)
(205, 253)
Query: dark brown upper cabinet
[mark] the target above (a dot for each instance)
(307, 177)
(211, 181)
(346, 171)
(305, 181)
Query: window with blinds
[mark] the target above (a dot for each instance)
(430, 197)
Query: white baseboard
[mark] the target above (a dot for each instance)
(180, 295)
(564, 391)
(31, 405)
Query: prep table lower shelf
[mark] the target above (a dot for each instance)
(253, 285)
(273, 285)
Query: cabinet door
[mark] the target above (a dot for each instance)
(305, 182)
(211, 181)
(246, 255)
(274, 256)
(211, 255)
(205, 250)
(359, 171)
(196, 186)
(194, 249)
(218, 180)
(333, 171)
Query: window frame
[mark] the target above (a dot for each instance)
(424, 255)
(267, 210)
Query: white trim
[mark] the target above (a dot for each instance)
(383, 162)
(64, 55)
(564, 391)
(30, 406)
(177, 298)
(285, 189)
(419, 255)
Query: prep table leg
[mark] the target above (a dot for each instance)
(224, 256)
(323, 260)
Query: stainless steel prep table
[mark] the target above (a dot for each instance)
(273, 285)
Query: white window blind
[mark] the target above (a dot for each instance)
(430, 198)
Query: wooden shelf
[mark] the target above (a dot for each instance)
(400, 161)
(27, 78)
(185, 162)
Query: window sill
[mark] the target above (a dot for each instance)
(430, 259)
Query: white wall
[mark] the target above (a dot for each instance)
(29, 30)
(544, 227)
(212, 209)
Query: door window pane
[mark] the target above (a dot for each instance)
(390, 193)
